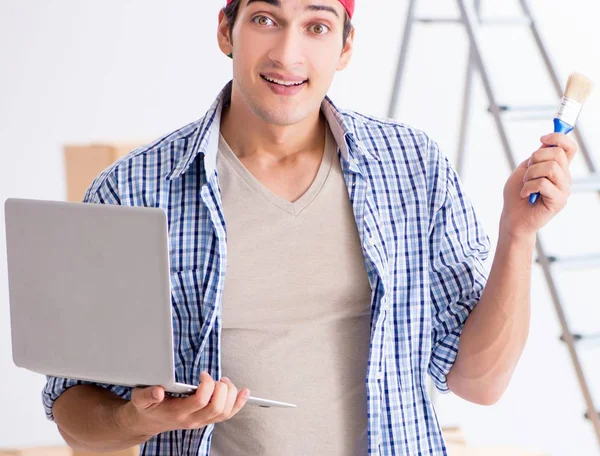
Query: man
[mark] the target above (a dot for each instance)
(319, 257)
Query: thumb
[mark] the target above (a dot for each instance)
(144, 398)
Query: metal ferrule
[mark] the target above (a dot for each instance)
(568, 111)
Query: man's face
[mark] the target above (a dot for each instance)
(285, 54)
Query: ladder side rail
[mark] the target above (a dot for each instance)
(473, 35)
(552, 72)
(568, 338)
(408, 26)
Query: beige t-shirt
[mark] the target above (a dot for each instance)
(296, 315)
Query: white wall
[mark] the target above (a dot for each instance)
(113, 70)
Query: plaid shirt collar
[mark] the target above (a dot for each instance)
(205, 140)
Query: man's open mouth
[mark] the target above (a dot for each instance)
(283, 83)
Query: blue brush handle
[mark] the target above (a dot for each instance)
(559, 127)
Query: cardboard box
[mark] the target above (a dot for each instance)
(457, 446)
(465, 450)
(84, 162)
(37, 451)
(63, 451)
(135, 451)
(454, 435)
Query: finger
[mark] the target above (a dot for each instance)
(185, 406)
(550, 170)
(240, 402)
(544, 154)
(206, 388)
(144, 398)
(548, 191)
(217, 402)
(232, 393)
(563, 141)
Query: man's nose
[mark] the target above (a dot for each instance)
(287, 51)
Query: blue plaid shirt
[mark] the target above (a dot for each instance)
(423, 248)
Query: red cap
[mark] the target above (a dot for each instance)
(348, 4)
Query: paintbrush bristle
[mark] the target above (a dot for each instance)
(578, 88)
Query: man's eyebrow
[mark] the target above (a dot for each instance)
(276, 3)
(319, 8)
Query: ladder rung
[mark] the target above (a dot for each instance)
(525, 108)
(506, 21)
(575, 262)
(578, 337)
(441, 19)
(528, 117)
(586, 184)
(454, 20)
(587, 415)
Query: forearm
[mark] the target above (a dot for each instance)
(94, 419)
(496, 331)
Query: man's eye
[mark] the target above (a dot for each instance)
(263, 20)
(319, 29)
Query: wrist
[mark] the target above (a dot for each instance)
(511, 242)
(132, 422)
(509, 236)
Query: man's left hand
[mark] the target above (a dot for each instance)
(546, 172)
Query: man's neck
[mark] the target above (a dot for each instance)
(250, 137)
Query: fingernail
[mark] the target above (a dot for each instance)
(543, 138)
(224, 379)
(155, 394)
(246, 394)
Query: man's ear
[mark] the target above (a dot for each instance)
(346, 52)
(224, 35)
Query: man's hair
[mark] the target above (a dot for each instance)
(231, 12)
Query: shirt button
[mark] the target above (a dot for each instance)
(379, 440)
(372, 240)
(379, 375)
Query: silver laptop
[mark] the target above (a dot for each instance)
(90, 294)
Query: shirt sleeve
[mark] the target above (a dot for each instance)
(458, 248)
(103, 190)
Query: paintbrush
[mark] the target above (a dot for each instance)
(576, 93)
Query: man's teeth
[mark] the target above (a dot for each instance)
(283, 83)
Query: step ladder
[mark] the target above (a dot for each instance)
(471, 19)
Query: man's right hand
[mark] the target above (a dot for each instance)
(151, 411)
